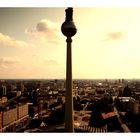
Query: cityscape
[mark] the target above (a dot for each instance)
(100, 105)
(56, 79)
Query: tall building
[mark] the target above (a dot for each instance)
(4, 90)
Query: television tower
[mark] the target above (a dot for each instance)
(69, 29)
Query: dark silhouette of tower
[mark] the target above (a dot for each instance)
(68, 29)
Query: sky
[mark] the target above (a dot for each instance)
(106, 44)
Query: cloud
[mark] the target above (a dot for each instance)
(114, 36)
(8, 41)
(6, 61)
(47, 26)
(46, 30)
(50, 62)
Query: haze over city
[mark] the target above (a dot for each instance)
(106, 44)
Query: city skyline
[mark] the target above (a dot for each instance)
(105, 46)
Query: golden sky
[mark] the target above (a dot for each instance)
(106, 45)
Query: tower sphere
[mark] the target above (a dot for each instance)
(68, 28)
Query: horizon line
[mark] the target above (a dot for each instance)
(72, 79)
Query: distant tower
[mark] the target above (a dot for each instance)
(55, 84)
(123, 80)
(3, 90)
(68, 29)
(119, 81)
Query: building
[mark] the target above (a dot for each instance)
(134, 106)
(3, 90)
(14, 118)
(127, 92)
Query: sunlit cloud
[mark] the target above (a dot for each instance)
(8, 41)
(46, 25)
(47, 31)
(114, 36)
(8, 61)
